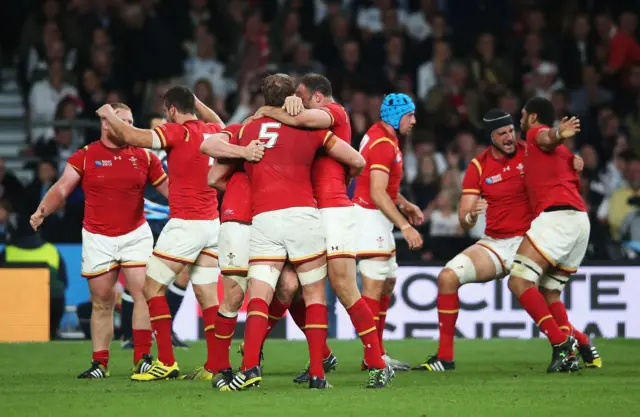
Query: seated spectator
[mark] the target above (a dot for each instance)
(46, 176)
(45, 96)
(490, 73)
(619, 205)
(205, 93)
(443, 220)
(546, 80)
(591, 94)
(431, 73)
(58, 148)
(302, 62)
(426, 186)
(205, 65)
(10, 187)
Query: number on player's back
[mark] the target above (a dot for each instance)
(267, 136)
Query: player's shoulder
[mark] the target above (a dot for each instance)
(232, 129)
(533, 132)
(337, 111)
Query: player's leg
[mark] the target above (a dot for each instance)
(175, 294)
(134, 250)
(544, 243)
(286, 291)
(267, 256)
(103, 300)
(101, 270)
(126, 320)
(478, 263)
(178, 245)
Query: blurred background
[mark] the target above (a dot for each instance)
(62, 59)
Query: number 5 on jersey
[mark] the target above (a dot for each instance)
(269, 138)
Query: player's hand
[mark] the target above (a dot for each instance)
(478, 208)
(37, 218)
(578, 163)
(413, 238)
(254, 151)
(105, 110)
(568, 127)
(413, 213)
(293, 105)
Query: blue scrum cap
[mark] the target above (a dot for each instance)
(394, 106)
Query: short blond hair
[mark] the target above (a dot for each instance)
(119, 106)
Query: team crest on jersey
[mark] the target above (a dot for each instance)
(104, 163)
(520, 167)
(494, 179)
(134, 161)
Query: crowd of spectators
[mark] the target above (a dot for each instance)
(457, 58)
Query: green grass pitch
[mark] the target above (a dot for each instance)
(494, 378)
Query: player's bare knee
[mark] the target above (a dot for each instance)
(314, 293)
(287, 285)
(153, 288)
(182, 279)
(448, 281)
(388, 286)
(206, 294)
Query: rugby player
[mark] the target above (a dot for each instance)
(115, 233)
(286, 224)
(320, 111)
(493, 182)
(155, 202)
(557, 239)
(375, 198)
(191, 235)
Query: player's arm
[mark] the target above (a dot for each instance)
(156, 175)
(549, 139)
(218, 146)
(471, 202)
(56, 195)
(207, 114)
(410, 210)
(309, 118)
(141, 138)
(219, 175)
(379, 181)
(342, 152)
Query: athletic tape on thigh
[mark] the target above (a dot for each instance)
(242, 281)
(376, 270)
(463, 267)
(393, 267)
(203, 275)
(159, 271)
(524, 267)
(265, 273)
(313, 276)
(554, 282)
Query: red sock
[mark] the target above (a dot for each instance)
(225, 327)
(161, 324)
(254, 332)
(142, 340)
(559, 313)
(102, 356)
(276, 311)
(365, 326)
(317, 326)
(298, 312)
(374, 306)
(385, 300)
(532, 301)
(582, 338)
(209, 316)
(448, 307)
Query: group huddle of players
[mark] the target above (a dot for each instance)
(286, 224)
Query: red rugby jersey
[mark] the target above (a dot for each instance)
(282, 179)
(549, 176)
(190, 197)
(500, 181)
(113, 181)
(236, 202)
(379, 147)
(328, 176)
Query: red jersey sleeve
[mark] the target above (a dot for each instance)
(170, 134)
(77, 160)
(320, 137)
(382, 155)
(231, 131)
(471, 180)
(532, 133)
(337, 113)
(155, 173)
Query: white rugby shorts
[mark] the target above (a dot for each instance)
(101, 254)
(184, 240)
(501, 252)
(294, 232)
(374, 235)
(561, 237)
(340, 228)
(234, 251)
